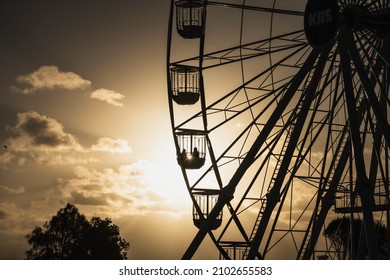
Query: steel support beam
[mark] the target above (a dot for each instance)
(227, 192)
(363, 185)
(273, 197)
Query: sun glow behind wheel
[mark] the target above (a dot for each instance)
(274, 106)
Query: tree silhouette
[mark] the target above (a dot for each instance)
(104, 241)
(70, 236)
(339, 233)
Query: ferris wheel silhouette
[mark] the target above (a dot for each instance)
(280, 117)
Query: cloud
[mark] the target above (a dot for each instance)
(137, 188)
(43, 140)
(12, 190)
(133, 195)
(122, 188)
(37, 131)
(109, 96)
(114, 146)
(50, 77)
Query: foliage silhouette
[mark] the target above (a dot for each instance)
(338, 231)
(70, 236)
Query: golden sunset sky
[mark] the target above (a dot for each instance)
(84, 119)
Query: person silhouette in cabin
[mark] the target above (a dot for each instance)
(184, 154)
(195, 153)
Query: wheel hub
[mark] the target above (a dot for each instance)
(321, 21)
(349, 15)
(353, 16)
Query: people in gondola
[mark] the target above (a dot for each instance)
(192, 159)
(195, 153)
(184, 154)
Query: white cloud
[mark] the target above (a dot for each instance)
(109, 96)
(50, 77)
(114, 146)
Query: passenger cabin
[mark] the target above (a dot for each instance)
(189, 18)
(236, 250)
(206, 200)
(192, 149)
(185, 84)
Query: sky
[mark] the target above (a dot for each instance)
(84, 119)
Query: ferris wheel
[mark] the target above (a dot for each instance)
(280, 117)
